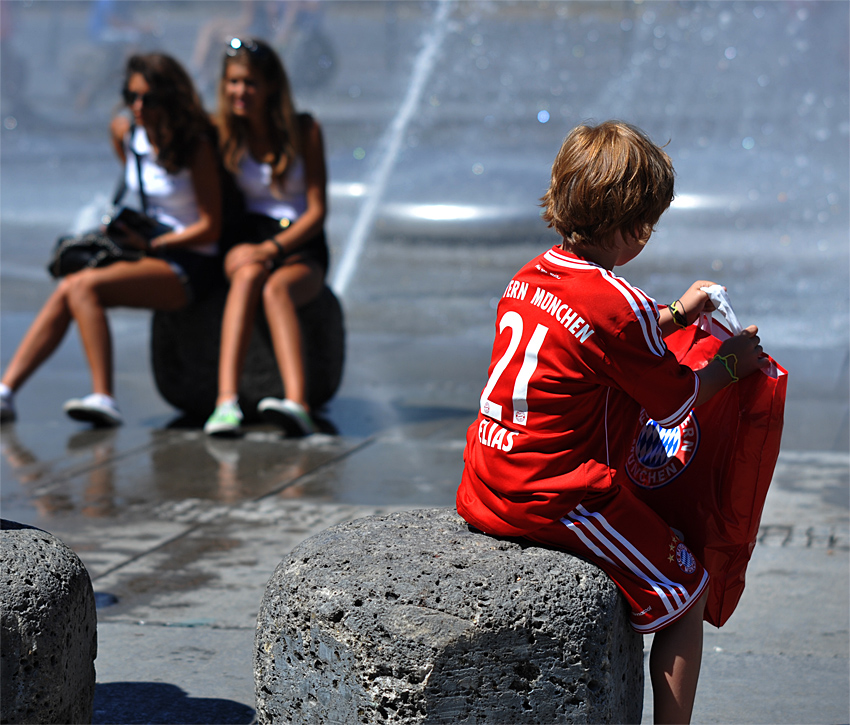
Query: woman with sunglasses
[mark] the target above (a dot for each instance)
(171, 141)
(277, 157)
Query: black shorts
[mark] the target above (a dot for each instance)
(257, 228)
(199, 273)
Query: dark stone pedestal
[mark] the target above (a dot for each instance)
(185, 346)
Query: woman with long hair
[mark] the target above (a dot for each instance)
(169, 145)
(277, 157)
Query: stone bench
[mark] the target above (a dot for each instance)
(48, 632)
(412, 617)
(185, 347)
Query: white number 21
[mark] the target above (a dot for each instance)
(529, 365)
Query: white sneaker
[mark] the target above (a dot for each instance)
(287, 414)
(96, 408)
(7, 406)
(226, 420)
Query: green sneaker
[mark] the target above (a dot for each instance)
(289, 415)
(226, 420)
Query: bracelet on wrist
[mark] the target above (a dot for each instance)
(731, 369)
(281, 251)
(678, 313)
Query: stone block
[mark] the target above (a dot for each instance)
(185, 347)
(48, 631)
(413, 618)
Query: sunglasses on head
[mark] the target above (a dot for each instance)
(149, 100)
(237, 44)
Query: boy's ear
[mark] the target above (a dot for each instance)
(637, 232)
(628, 234)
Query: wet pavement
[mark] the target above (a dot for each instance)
(438, 150)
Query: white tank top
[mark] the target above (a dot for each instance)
(170, 197)
(255, 180)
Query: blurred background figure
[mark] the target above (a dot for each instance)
(13, 67)
(278, 159)
(294, 28)
(168, 149)
(114, 34)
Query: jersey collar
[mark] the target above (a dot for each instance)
(568, 260)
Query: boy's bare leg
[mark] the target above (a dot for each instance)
(674, 665)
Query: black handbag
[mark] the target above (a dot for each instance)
(140, 223)
(91, 249)
(103, 246)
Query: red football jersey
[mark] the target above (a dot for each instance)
(578, 352)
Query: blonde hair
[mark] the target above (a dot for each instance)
(283, 121)
(606, 178)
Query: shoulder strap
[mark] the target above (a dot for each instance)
(121, 189)
(142, 196)
(122, 184)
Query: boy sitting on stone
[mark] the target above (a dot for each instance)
(578, 352)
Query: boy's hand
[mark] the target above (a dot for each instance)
(694, 301)
(683, 311)
(747, 350)
(741, 355)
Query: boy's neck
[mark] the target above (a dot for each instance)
(605, 258)
(625, 247)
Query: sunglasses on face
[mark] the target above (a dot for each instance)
(237, 44)
(149, 100)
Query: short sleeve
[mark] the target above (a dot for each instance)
(640, 363)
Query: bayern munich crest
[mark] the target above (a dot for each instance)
(658, 455)
(685, 559)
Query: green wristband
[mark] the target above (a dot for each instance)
(730, 370)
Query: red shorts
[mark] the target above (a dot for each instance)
(650, 564)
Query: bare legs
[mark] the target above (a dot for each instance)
(41, 339)
(282, 292)
(287, 290)
(674, 666)
(246, 287)
(84, 297)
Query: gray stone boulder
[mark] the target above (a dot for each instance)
(48, 634)
(414, 618)
(185, 346)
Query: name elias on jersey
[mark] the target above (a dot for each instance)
(548, 302)
(493, 435)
